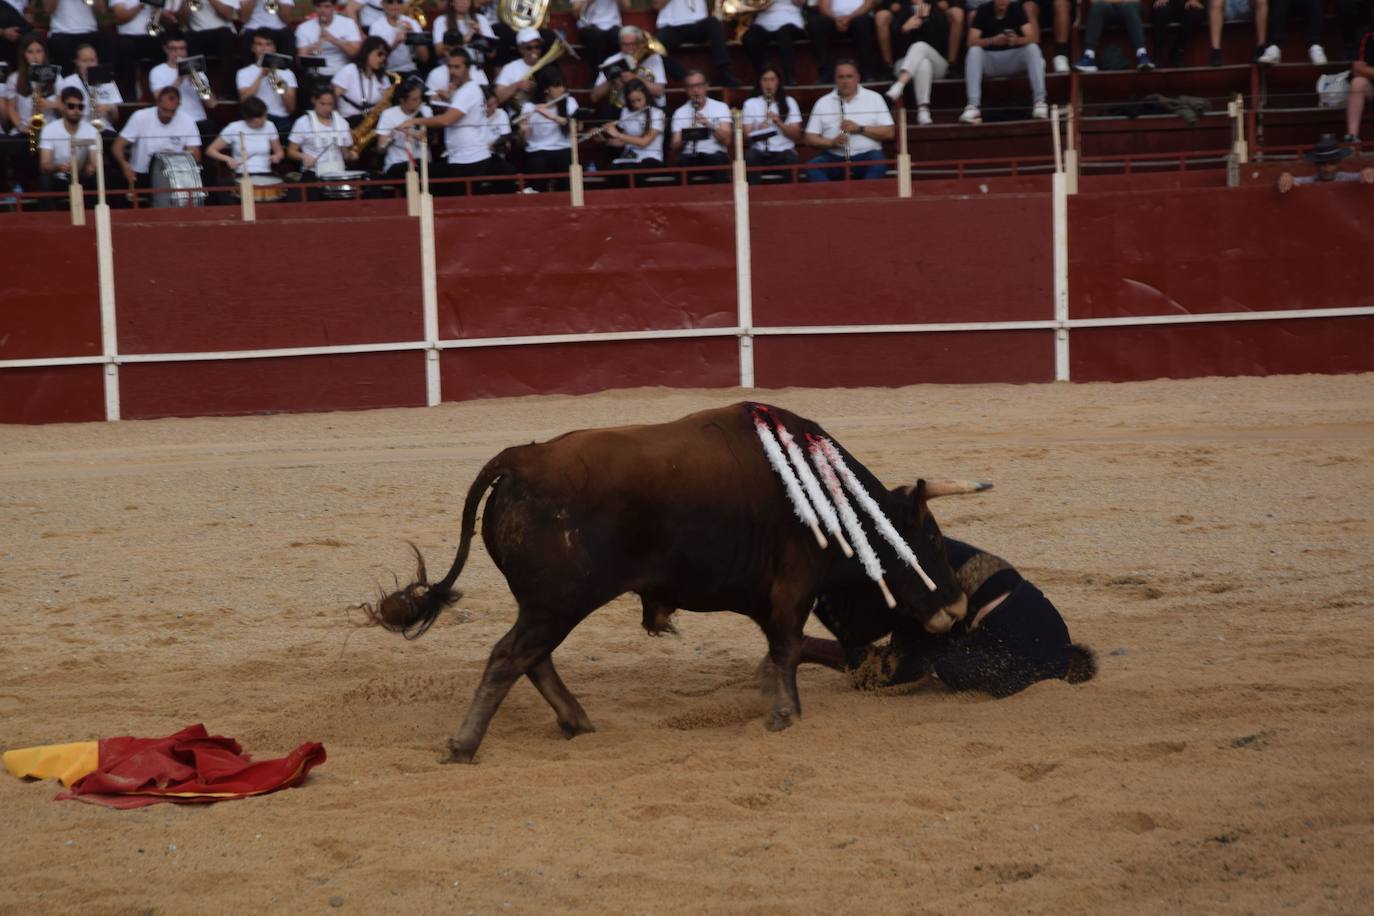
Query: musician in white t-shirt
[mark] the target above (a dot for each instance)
(546, 128)
(832, 18)
(772, 124)
(683, 21)
(252, 144)
(102, 99)
(169, 74)
(149, 131)
(331, 36)
(134, 46)
(68, 146)
(402, 145)
(275, 17)
(598, 25)
(710, 117)
(780, 23)
(210, 31)
(849, 125)
(465, 126)
(72, 23)
(650, 71)
(360, 85)
(258, 81)
(514, 76)
(321, 141)
(393, 29)
(638, 135)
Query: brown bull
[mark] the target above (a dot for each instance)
(687, 515)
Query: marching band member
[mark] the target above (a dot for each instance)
(650, 72)
(639, 132)
(134, 44)
(512, 77)
(461, 17)
(20, 91)
(210, 31)
(848, 125)
(401, 145)
(464, 123)
(102, 99)
(331, 36)
(599, 23)
(546, 127)
(393, 29)
(320, 141)
(772, 125)
(361, 84)
(259, 16)
(261, 82)
(60, 148)
(702, 111)
(252, 144)
(149, 131)
(169, 74)
(72, 23)
(437, 85)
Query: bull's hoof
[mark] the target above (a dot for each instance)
(454, 753)
(573, 729)
(781, 718)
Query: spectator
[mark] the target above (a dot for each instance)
(1060, 14)
(210, 31)
(472, 27)
(331, 36)
(781, 23)
(1361, 88)
(545, 127)
(902, 24)
(1190, 17)
(20, 91)
(1278, 28)
(249, 146)
(598, 25)
(1128, 12)
(772, 125)
(63, 149)
(393, 29)
(276, 88)
(360, 85)
(849, 125)
(464, 123)
(681, 21)
(1001, 41)
(320, 141)
(650, 71)
(638, 134)
(1235, 11)
(102, 98)
(398, 145)
(149, 131)
(929, 30)
(133, 45)
(72, 23)
(1326, 156)
(854, 18)
(709, 118)
(515, 77)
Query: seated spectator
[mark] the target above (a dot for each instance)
(398, 145)
(257, 17)
(638, 134)
(598, 25)
(849, 125)
(681, 21)
(331, 36)
(134, 46)
(1001, 42)
(515, 77)
(780, 23)
(209, 31)
(1278, 29)
(1361, 88)
(831, 18)
(164, 128)
(73, 23)
(704, 115)
(362, 84)
(67, 147)
(276, 88)
(923, 62)
(102, 99)
(546, 128)
(249, 146)
(901, 25)
(1061, 15)
(1326, 156)
(465, 126)
(650, 71)
(320, 141)
(393, 28)
(772, 125)
(1190, 17)
(1128, 13)
(1236, 11)
(473, 28)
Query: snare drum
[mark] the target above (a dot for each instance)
(342, 185)
(266, 189)
(177, 174)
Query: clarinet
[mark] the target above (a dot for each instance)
(847, 136)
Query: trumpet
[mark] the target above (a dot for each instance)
(193, 5)
(271, 7)
(202, 85)
(278, 84)
(154, 27)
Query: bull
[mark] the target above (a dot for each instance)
(687, 515)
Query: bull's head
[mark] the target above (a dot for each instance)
(910, 511)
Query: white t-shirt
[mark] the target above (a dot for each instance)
(652, 66)
(483, 28)
(261, 19)
(105, 94)
(207, 18)
(498, 126)
(437, 81)
(840, 8)
(466, 141)
(275, 106)
(399, 59)
(56, 138)
(316, 136)
(778, 14)
(545, 134)
(150, 136)
(341, 27)
(166, 75)
(357, 93)
(756, 112)
(635, 123)
(600, 14)
(866, 108)
(369, 11)
(72, 17)
(715, 111)
(682, 12)
(512, 72)
(137, 25)
(256, 142)
(396, 149)
(23, 101)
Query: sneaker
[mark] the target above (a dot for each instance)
(1214, 60)
(529, 190)
(894, 92)
(1271, 55)
(1040, 110)
(1143, 62)
(971, 115)
(923, 116)
(1350, 140)
(1317, 54)
(1061, 63)
(1087, 63)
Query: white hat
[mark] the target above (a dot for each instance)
(527, 35)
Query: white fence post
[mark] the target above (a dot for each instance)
(104, 259)
(1060, 210)
(744, 273)
(903, 154)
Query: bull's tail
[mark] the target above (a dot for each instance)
(412, 610)
(1082, 664)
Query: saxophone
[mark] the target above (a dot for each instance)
(36, 122)
(366, 131)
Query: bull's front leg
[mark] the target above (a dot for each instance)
(791, 605)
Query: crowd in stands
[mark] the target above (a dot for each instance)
(356, 86)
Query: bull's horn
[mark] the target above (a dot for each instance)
(935, 488)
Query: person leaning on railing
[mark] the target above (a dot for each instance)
(849, 118)
(772, 124)
(161, 129)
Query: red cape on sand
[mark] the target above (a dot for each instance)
(189, 766)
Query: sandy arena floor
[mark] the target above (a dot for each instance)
(1211, 539)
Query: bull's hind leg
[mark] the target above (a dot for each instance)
(571, 717)
(791, 605)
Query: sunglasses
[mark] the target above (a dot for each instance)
(75, 106)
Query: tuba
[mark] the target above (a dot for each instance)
(741, 12)
(524, 14)
(416, 11)
(366, 131)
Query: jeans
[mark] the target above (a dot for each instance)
(857, 171)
